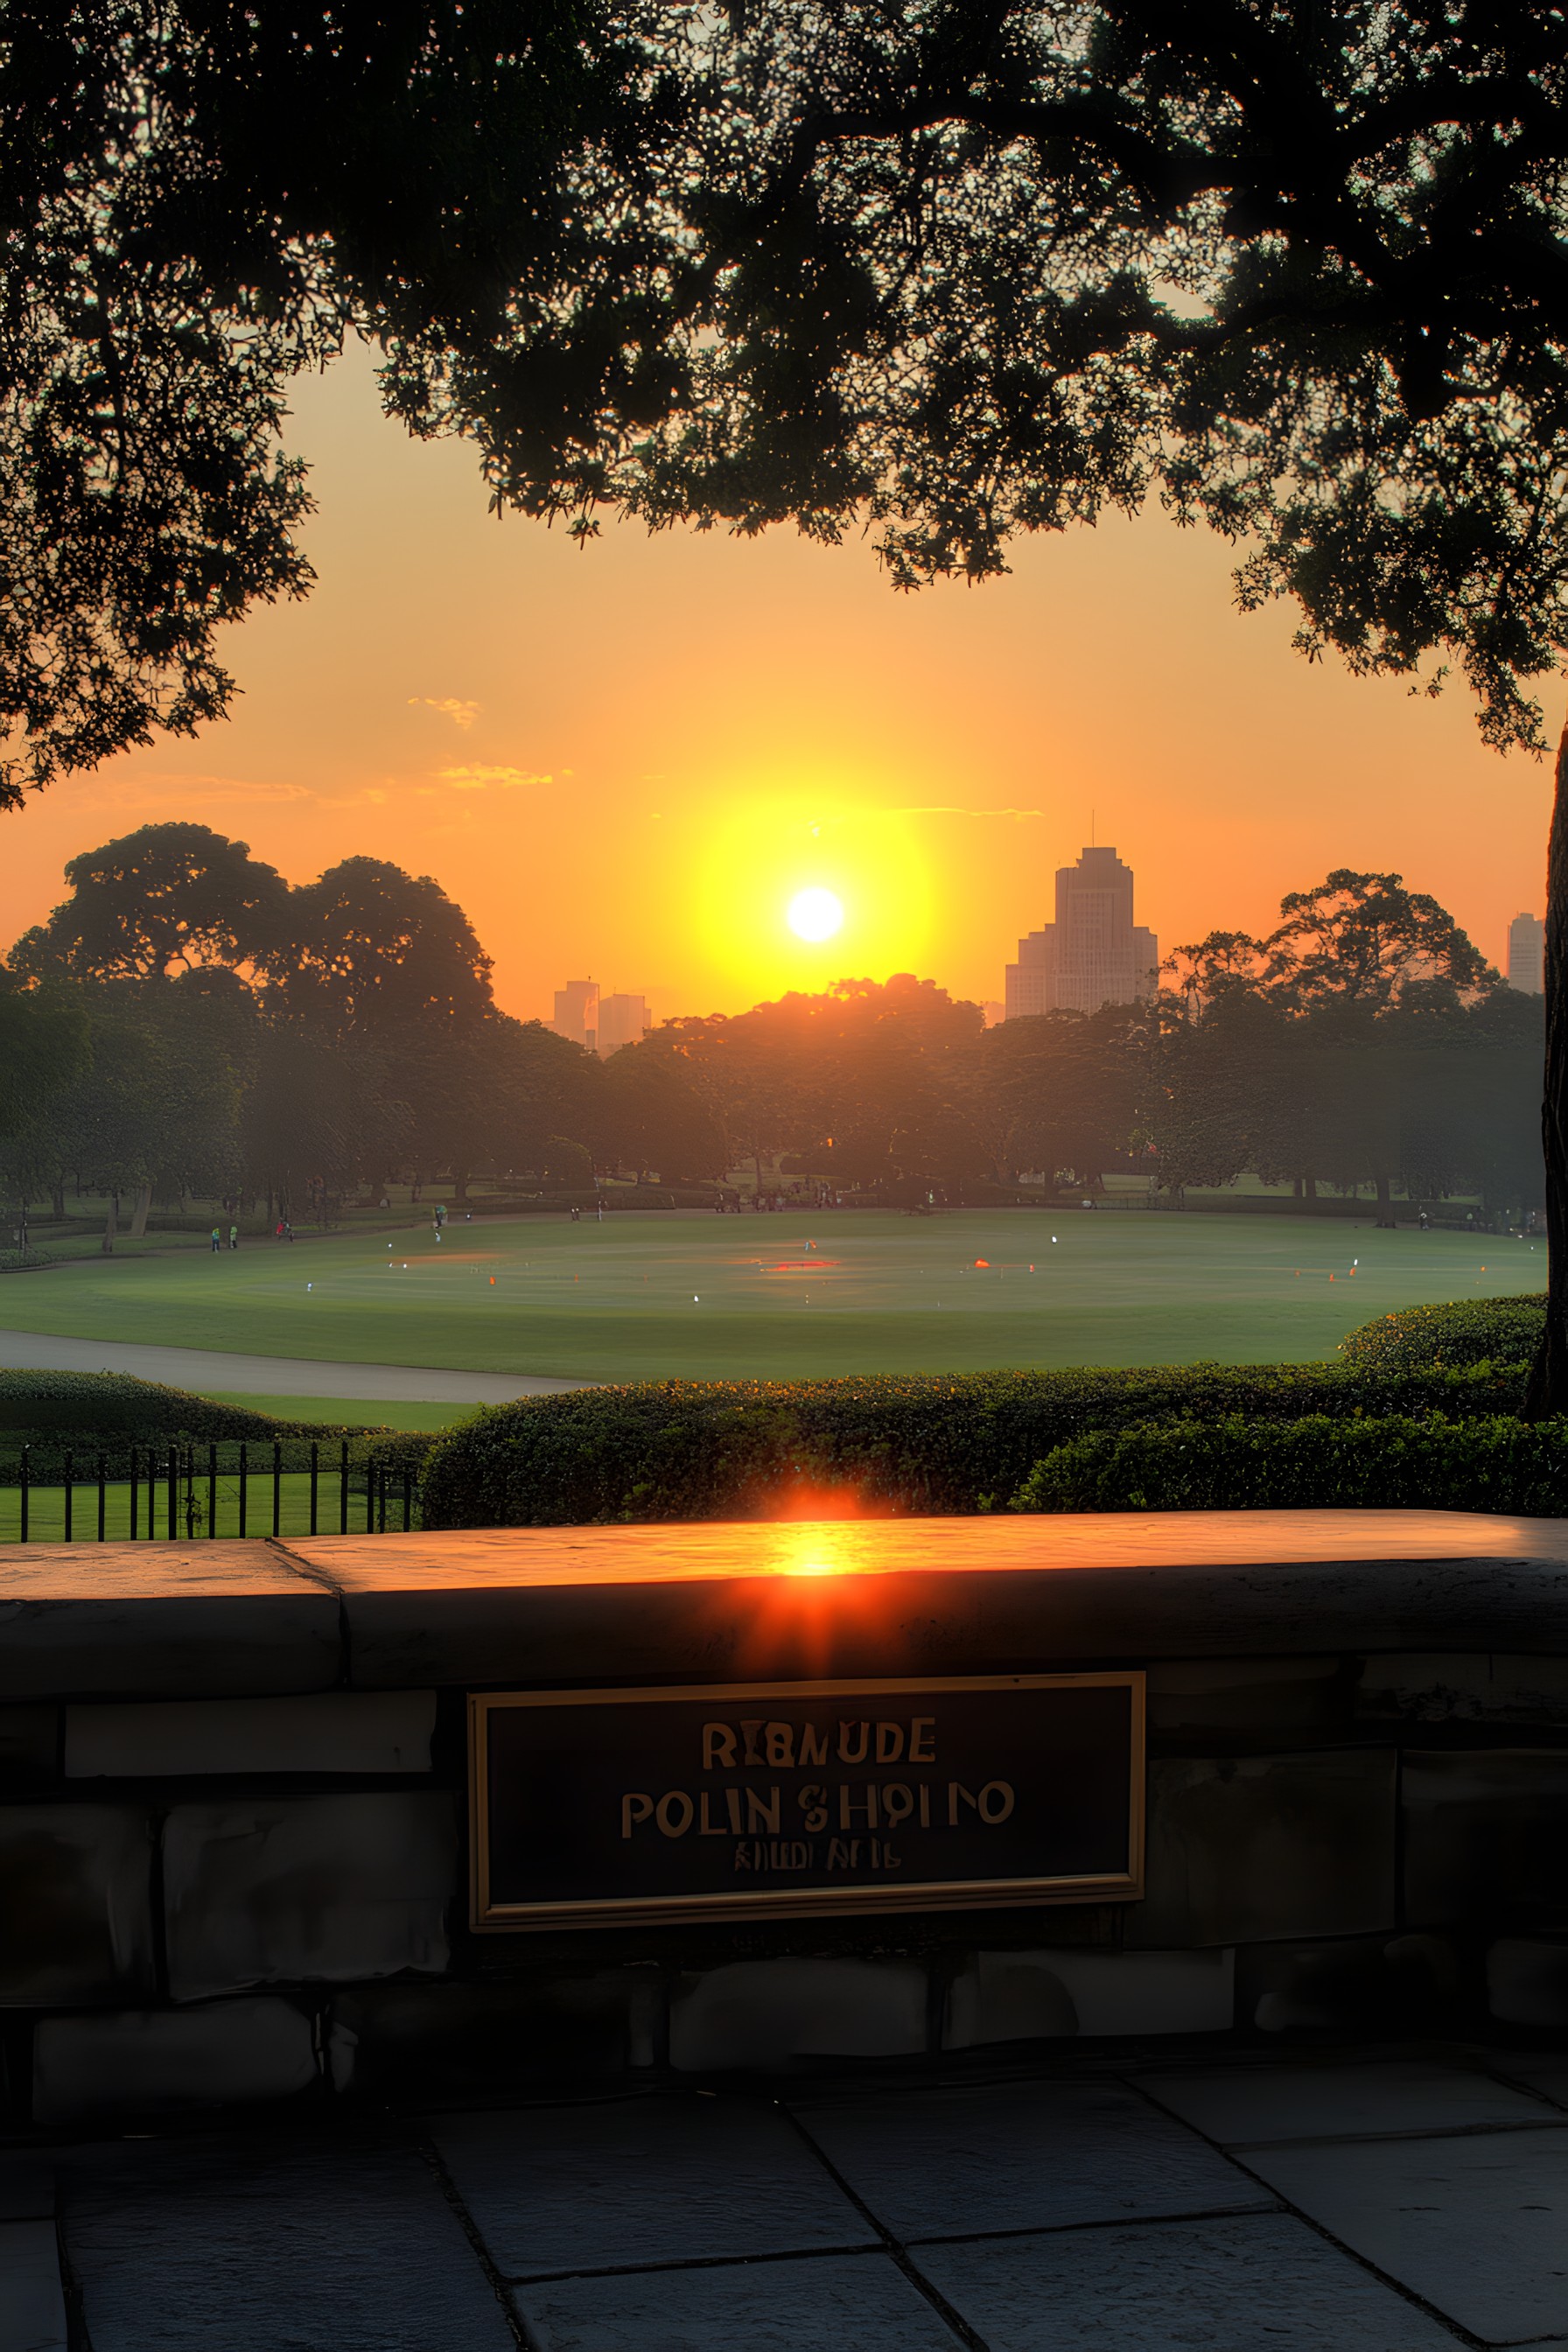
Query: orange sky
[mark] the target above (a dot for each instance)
(624, 761)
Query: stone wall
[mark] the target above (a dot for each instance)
(261, 1895)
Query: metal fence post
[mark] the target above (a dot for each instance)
(277, 1486)
(408, 1500)
(103, 1499)
(26, 1496)
(315, 1473)
(344, 1491)
(70, 1489)
(243, 1485)
(173, 1511)
(370, 1499)
(212, 1487)
(135, 1494)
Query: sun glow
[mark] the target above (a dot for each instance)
(815, 914)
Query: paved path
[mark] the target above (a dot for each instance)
(1404, 2204)
(211, 1367)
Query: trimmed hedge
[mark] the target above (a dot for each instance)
(1233, 1464)
(110, 1412)
(1466, 1332)
(732, 1449)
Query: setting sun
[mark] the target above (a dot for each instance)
(814, 915)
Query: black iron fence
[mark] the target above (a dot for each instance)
(187, 1491)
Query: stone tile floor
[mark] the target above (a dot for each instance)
(1341, 2203)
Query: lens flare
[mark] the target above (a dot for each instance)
(814, 915)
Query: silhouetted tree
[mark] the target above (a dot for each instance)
(165, 899)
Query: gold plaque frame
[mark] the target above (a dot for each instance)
(488, 1917)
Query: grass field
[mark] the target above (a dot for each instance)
(648, 1298)
(350, 1412)
(46, 1509)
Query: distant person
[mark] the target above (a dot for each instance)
(287, 1231)
(217, 1241)
(233, 1237)
(1425, 1221)
(599, 1211)
(278, 1233)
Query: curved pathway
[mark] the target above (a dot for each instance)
(212, 1367)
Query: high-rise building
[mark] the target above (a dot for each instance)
(1527, 955)
(577, 1012)
(622, 1021)
(1094, 953)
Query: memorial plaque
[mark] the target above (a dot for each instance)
(603, 1807)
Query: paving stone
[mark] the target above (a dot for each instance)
(1476, 1827)
(458, 2040)
(327, 1731)
(159, 1620)
(134, 2062)
(1478, 2227)
(1020, 2156)
(276, 2245)
(1223, 2287)
(829, 2304)
(763, 2013)
(1023, 1996)
(1546, 2072)
(1246, 2106)
(1248, 1849)
(1527, 1981)
(76, 1897)
(29, 1747)
(32, 2306)
(291, 1889)
(642, 2181)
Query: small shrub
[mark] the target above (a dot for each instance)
(738, 1449)
(1467, 1331)
(1488, 1464)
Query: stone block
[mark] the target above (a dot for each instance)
(295, 1889)
(32, 2302)
(136, 2062)
(1382, 1984)
(1046, 1995)
(26, 2185)
(29, 1747)
(1248, 1849)
(160, 1621)
(1420, 1686)
(1483, 1832)
(1269, 1701)
(75, 1897)
(460, 2041)
(1527, 1982)
(763, 2013)
(330, 1731)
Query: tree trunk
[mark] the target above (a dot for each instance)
(1386, 1217)
(1548, 1390)
(139, 1213)
(109, 1224)
(1310, 1188)
(57, 1204)
(459, 1184)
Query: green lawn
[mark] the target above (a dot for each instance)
(641, 1297)
(46, 1508)
(347, 1412)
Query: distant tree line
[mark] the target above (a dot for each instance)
(186, 1023)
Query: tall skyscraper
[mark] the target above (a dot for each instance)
(577, 1012)
(1527, 955)
(622, 1022)
(1094, 953)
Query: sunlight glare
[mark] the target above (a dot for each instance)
(814, 915)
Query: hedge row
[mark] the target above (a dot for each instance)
(110, 1412)
(712, 1449)
(1487, 1464)
(1466, 1331)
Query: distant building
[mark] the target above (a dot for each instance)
(994, 1011)
(1527, 955)
(622, 1021)
(577, 1014)
(1094, 953)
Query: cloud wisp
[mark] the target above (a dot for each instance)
(478, 779)
(461, 714)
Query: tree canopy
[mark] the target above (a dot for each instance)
(958, 267)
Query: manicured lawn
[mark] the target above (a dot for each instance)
(46, 1508)
(653, 1296)
(348, 1413)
